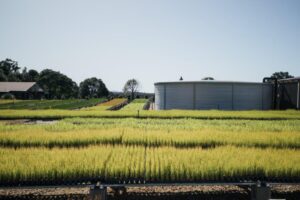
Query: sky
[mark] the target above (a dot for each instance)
(153, 40)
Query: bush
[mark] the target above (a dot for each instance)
(7, 96)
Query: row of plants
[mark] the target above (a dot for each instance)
(50, 104)
(166, 114)
(163, 164)
(106, 105)
(165, 125)
(7, 101)
(178, 124)
(207, 138)
(136, 104)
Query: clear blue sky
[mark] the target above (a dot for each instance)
(153, 40)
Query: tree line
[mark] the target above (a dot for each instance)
(55, 84)
(59, 86)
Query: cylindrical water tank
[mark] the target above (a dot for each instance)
(204, 95)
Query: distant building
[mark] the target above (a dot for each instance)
(22, 90)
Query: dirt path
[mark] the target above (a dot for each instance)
(290, 192)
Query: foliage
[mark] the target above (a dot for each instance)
(281, 75)
(2, 76)
(31, 76)
(9, 71)
(7, 96)
(92, 88)
(131, 87)
(57, 85)
(208, 78)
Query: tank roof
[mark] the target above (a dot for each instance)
(209, 81)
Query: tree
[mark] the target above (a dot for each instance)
(33, 75)
(10, 70)
(8, 66)
(92, 88)
(57, 85)
(281, 75)
(208, 79)
(2, 76)
(131, 87)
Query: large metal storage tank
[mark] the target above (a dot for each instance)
(204, 95)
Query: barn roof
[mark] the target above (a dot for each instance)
(16, 86)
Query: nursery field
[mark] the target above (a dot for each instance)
(7, 101)
(79, 132)
(49, 104)
(149, 150)
(101, 111)
(135, 105)
(106, 105)
(123, 163)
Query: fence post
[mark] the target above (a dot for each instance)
(260, 191)
(98, 193)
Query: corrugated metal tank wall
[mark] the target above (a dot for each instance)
(159, 97)
(213, 95)
(181, 95)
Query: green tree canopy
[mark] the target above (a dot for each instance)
(9, 70)
(281, 75)
(92, 88)
(29, 76)
(57, 85)
(207, 79)
(3, 77)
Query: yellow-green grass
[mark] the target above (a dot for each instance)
(135, 105)
(51, 104)
(155, 150)
(106, 105)
(165, 125)
(167, 114)
(5, 101)
(154, 132)
(179, 124)
(152, 164)
(78, 138)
